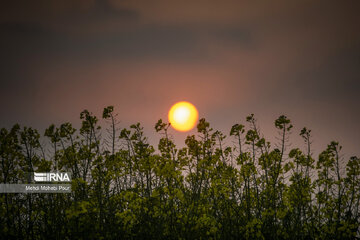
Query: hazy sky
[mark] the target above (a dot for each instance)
(229, 58)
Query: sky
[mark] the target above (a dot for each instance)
(229, 58)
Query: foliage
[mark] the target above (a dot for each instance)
(122, 187)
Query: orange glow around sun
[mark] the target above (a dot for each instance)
(183, 116)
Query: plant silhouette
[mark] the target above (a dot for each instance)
(124, 188)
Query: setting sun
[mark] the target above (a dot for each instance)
(183, 116)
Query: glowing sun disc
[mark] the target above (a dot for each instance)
(183, 116)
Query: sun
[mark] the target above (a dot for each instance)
(183, 116)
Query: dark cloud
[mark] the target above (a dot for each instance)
(22, 29)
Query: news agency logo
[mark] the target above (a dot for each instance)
(52, 177)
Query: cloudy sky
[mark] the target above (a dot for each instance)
(229, 58)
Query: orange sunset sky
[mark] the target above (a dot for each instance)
(229, 58)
